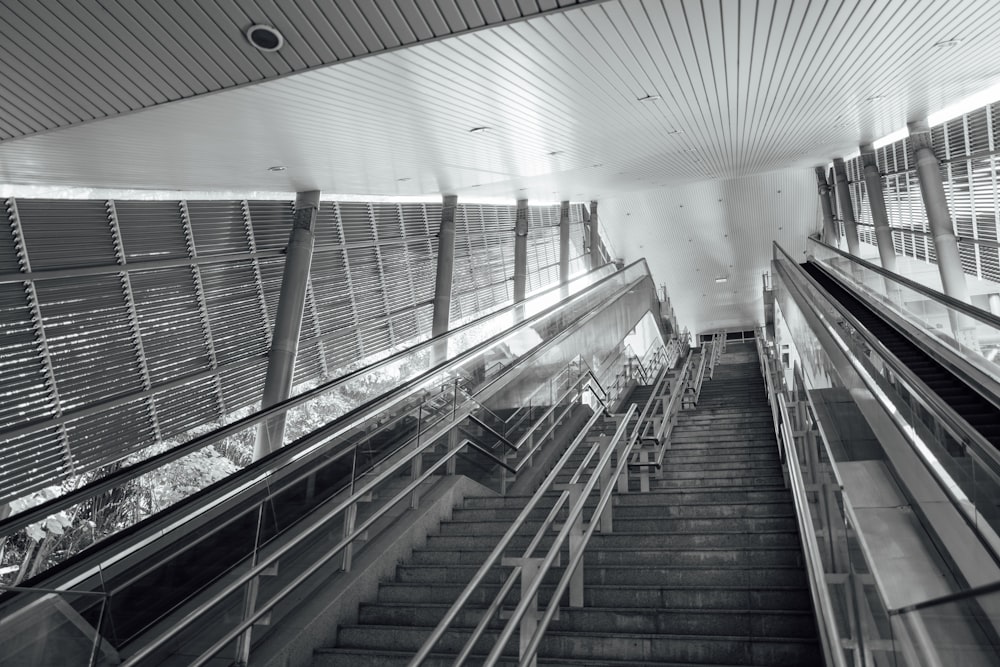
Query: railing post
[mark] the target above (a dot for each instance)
(575, 495)
(530, 570)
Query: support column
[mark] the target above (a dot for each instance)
(521, 250)
(830, 233)
(288, 322)
(994, 301)
(595, 238)
(936, 204)
(846, 208)
(876, 200)
(445, 275)
(563, 242)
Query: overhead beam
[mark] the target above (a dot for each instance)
(288, 322)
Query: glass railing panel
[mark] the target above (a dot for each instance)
(963, 463)
(972, 332)
(172, 479)
(56, 628)
(963, 631)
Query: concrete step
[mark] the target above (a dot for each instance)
(630, 540)
(789, 556)
(618, 619)
(693, 497)
(656, 525)
(620, 575)
(357, 657)
(783, 596)
(705, 510)
(776, 651)
(770, 482)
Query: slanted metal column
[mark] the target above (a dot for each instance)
(876, 200)
(846, 208)
(563, 242)
(445, 276)
(595, 238)
(932, 190)
(288, 323)
(830, 233)
(521, 250)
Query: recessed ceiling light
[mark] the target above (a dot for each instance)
(690, 150)
(522, 189)
(479, 130)
(650, 98)
(599, 164)
(276, 167)
(874, 98)
(264, 37)
(947, 43)
(474, 186)
(722, 279)
(404, 179)
(551, 153)
(675, 131)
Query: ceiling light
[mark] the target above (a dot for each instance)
(479, 130)
(404, 179)
(874, 98)
(722, 279)
(264, 37)
(947, 43)
(552, 153)
(276, 167)
(650, 98)
(599, 164)
(675, 131)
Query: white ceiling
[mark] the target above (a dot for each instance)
(754, 93)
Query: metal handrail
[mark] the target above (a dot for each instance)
(83, 493)
(826, 618)
(983, 316)
(662, 434)
(574, 513)
(498, 550)
(948, 418)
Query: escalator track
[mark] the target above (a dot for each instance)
(978, 412)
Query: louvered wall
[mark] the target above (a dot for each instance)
(966, 147)
(142, 320)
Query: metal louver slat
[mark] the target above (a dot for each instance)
(272, 223)
(243, 387)
(110, 435)
(170, 323)
(10, 259)
(217, 227)
(30, 462)
(51, 227)
(151, 230)
(22, 371)
(185, 407)
(233, 310)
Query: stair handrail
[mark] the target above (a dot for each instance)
(826, 619)
(672, 407)
(316, 521)
(576, 555)
(693, 386)
(452, 613)
(459, 414)
(718, 347)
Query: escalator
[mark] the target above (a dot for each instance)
(157, 570)
(978, 412)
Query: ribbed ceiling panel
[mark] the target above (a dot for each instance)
(70, 61)
(746, 87)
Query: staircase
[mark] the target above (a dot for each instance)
(705, 569)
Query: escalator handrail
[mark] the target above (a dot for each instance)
(969, 310)
(932, 402)
(97, 487)
(958, 426)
